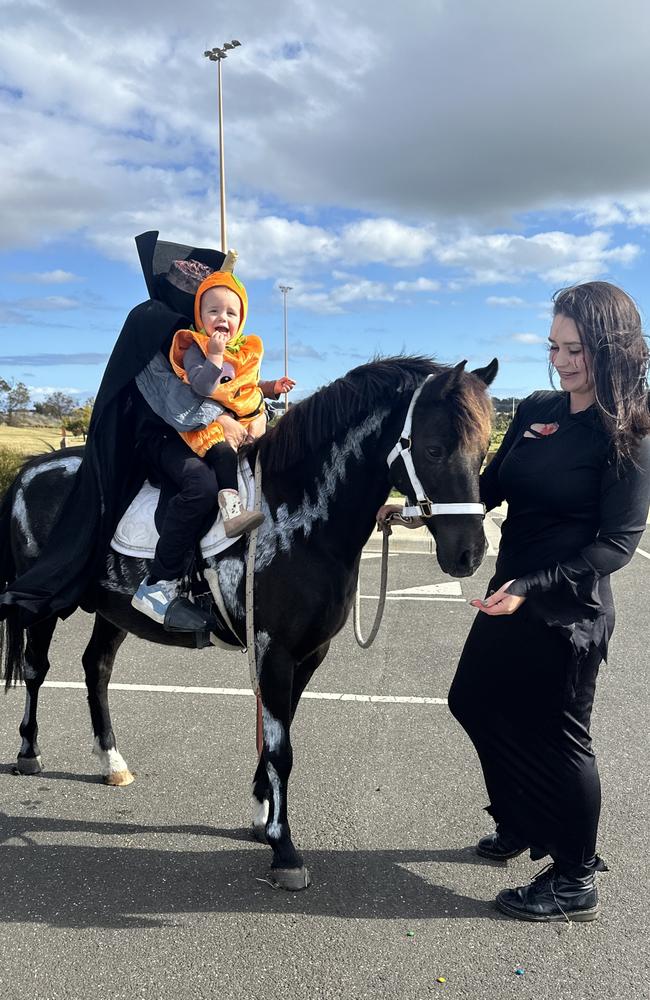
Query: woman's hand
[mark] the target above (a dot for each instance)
(384, 514)
(500, 602)
(284, 384)
(391, 511)
(233, 431)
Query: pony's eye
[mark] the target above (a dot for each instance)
(435, 451)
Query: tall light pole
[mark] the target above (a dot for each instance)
(217, 55)
(285, 289)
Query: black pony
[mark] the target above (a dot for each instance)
(325, 474)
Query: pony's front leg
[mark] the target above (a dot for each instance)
(35, 669)
(276, 680)
(261, 786)
(98, 659)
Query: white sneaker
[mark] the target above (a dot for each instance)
(153, 599)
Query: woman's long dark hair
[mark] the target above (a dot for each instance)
(610, 329)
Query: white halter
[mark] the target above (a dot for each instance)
(424, 507)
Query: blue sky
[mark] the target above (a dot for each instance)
(424, 183)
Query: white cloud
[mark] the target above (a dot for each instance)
(337, 299)
(117, 139)
(632, 211)
(324, 105)
(419, 285)
(298, 350)
(506, 301)
(554, 257)
(386, 241)
(57, 277)
(39, 392)
(51, 302)
(527, 338)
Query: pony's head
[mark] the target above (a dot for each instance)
(449, 435)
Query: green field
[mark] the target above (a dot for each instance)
(34, 440)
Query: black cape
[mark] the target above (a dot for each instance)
(110, 473)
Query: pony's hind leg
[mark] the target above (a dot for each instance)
(35, 670)
(98, 659)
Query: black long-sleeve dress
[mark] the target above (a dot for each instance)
(525, 683)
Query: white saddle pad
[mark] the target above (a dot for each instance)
(137, 535)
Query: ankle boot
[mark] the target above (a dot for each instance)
(237, 521)
(552, 896)
(500, 845)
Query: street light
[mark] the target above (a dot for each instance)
(217, 55)
(285, 289)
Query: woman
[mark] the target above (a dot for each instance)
(574, 468)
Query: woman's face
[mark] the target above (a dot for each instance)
(570, 358)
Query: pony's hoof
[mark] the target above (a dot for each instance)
(292, 879)
(258, 833)
(28, 765)
(118, 779)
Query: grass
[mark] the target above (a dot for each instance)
(19, 443)
(34, 440)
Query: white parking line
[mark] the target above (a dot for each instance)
(642, 552)
(411, 597)
(382, 699)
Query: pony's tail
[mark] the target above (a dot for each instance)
(12, 648)
(12, 634)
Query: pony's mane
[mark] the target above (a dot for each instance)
(347, 400)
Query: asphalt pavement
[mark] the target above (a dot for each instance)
(157, 891)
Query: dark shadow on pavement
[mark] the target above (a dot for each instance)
(89, 779)
(137, 886)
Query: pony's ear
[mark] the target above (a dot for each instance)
(447, 380)
(487, 374)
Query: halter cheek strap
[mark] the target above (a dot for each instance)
(423, 507)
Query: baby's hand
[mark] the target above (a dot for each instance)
(218, 342)
(283, 384)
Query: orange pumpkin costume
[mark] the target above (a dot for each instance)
(241, 396)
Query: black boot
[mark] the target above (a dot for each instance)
(552, 896)
(500, 845)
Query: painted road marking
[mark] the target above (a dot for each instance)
(407, 597)
(375, 699)
(449, 588)
(642, 552)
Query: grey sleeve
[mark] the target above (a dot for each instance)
(174, 401)
(202, 374)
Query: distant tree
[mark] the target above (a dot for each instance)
(78, 421)
(13, 395)
(5, 387)
(505, 405)
(17, 397)
(56, 405)
(502, 422)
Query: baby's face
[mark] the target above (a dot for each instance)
(220, 311)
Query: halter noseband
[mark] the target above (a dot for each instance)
(423, 507)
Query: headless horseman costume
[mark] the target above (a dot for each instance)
(111, 471)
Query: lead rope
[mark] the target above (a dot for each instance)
(250, 605)
(365, 643)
